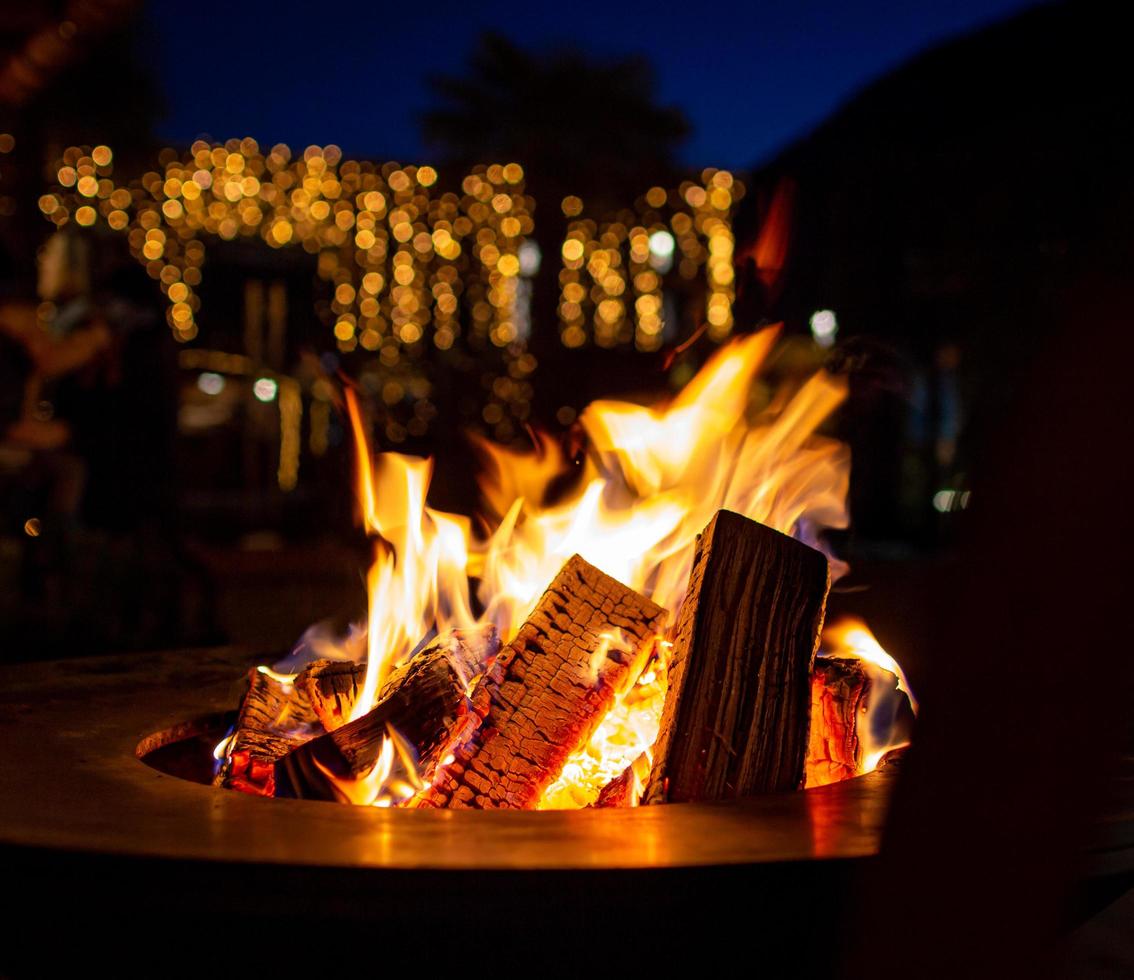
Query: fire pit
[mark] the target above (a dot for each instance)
(648, 636)
(94, 832)
(636, 624)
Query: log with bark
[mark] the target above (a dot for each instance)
(332, 687)
(840, 692)
(548, 690)
(423, 703)
(735, 720)
(274, 718)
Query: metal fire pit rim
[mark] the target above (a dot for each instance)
(76, 726)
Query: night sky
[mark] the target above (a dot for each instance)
(750, 77)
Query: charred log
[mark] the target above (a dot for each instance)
(424, 703)
(333, 686)
(274, 718)
(548, 690)
(625, 788)
(736, 715)
(840, 692)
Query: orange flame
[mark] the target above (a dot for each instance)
(392, 779)
(652, 478)
(418, 581)
(877, 729)
(656, 476)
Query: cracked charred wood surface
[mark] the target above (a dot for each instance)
(273, 719)
(333, 686)
(840, 691)
(424, 702)
(548, 690)
(735, 721)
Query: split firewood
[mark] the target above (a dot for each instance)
(735, 720)
(423, 703)
(625, 788)
(469, 650)
(548, 690)
(840, 691)
(333, 686)
(275, 716)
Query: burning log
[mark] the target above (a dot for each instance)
(548, 690)
(736, 715)
(840, 690)
(625, 788)
(423, 703)
(274, 717)
(332, 687)
(620, 791)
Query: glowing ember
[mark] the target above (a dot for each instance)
(651, 480)
(625, 736)
(879, 730)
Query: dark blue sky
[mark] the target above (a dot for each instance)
(750, 77)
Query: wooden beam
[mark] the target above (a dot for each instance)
(735, 720)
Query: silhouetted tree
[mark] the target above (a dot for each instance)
(577, 124)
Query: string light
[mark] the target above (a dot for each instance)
(401, 255)
(409, 263)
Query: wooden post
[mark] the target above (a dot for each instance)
(736, 716)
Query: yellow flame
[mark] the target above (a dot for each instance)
(651, 479)
(418, 581)
(367, 789)
(877, 733)
(224, 747)
(285, 679)
(624, 738)
(655, 477)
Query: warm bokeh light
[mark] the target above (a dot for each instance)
(409, 262)
(413, 263)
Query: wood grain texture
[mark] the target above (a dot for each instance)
(548, 690)
(424, 701)
(840, 692)
(736, 716)
(273, 719)
(333, 686)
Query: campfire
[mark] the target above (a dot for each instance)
(638, 626)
